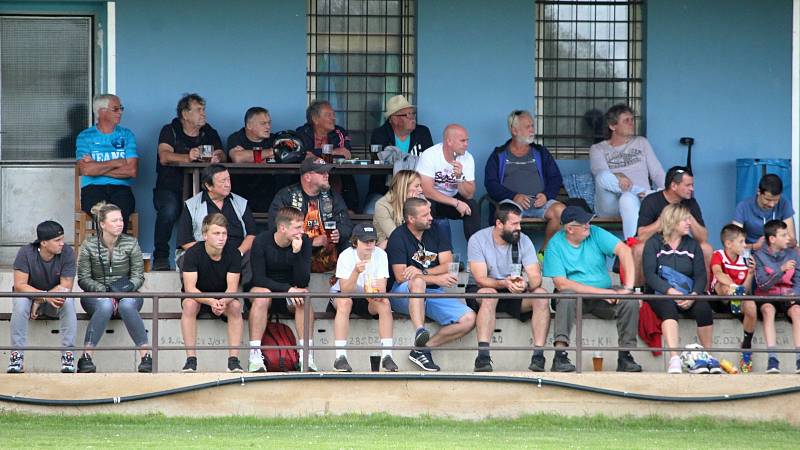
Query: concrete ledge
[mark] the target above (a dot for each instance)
(417, 394)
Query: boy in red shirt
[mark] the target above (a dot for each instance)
(732, 273)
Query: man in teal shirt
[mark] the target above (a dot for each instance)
(576, 261)
(107, 158)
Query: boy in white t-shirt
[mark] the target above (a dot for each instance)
(362, 268)
(447, 171)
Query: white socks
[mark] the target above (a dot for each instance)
(255, 351)
(340, 351)
(310, 354)
(388, 342)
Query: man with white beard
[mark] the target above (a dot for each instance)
(526, 173)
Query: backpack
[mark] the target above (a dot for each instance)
(279, 360)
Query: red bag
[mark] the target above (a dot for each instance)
(279, 360)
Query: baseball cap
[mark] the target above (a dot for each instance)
(575, 214)
(365, 232)
(48, 230)
(315, 164)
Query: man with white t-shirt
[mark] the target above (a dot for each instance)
(448, 179)
(362, 268)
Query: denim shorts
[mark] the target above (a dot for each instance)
(445, 311)
(538, 212)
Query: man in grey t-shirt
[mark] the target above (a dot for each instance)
(46, 269)
(502, 260)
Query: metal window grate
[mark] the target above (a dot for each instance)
(46, 85)
(360, 53)
(588, 58)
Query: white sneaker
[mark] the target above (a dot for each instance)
(675, 365)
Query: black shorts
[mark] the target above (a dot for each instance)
(279, 305)
(360, 308)
(510, 306)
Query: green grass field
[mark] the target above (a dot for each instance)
(382, 431)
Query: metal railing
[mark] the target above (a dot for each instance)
(310, 297)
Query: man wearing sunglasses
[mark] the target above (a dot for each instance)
(107, 158)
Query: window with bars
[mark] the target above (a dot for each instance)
(588, 58)
(45, 85)
(360, 53)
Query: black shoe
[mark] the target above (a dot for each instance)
(233, 365)
(561, 363)
(483, 364)
(388, 364)
(421, 338)
(146, 365)
(191, 364)
(537, 363)
(625, 363)
(341, 364)
(161, 265)
(85, 364)
(424, 360)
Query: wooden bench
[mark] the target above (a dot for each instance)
(536, 224)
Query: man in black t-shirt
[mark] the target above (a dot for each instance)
(678, 188)
(179, 142)
(212, 266)
(419, 260)
(253, 144)
(281, 260)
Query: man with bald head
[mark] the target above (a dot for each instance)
(448, 179)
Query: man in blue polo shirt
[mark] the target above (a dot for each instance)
(107, 158)
(768, 204)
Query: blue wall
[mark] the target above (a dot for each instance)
(716, 70)
(719, 71)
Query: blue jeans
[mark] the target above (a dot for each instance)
(626, 204)
(67, 321)
(101, 310)
(168, 205)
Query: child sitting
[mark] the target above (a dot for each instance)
(732, 274)
(777, 275)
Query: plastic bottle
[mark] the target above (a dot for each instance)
(728, 367)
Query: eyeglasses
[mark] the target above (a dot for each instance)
(584, 226)
(116, 109)
(409, 116)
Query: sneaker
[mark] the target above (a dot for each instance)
(675, 365)
(537, 363)
(625, 363)
(146, 364)
(233, 365)
(191, 364)
(773, 365)
(483, 364)
(561, 363)
(160, 265)
(699, 366)
(341, 364)
(388, 364)
(424, 360)
(421, 338)
(85, 364)
(257, 365)
(67, 363)
(714, 366)
(15, 363)
(746, 362)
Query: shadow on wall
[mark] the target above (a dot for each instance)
(76, 118)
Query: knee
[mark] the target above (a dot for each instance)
(417, 285)
(489, 304)
(234, 308)
(22, 306)
(467, 320)
(637, 251)
(128, 306)
(554, 211)
(103, 308)
(343, 305)
(768, 310)
(190, 307)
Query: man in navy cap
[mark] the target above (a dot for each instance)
(46, 269)
(576, 260)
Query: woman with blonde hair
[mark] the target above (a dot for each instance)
(389, 208)
(111, 262)
(674, 265)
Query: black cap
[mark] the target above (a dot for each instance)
(575, 214)
(48, 230)
(365, 232)
(315, 164)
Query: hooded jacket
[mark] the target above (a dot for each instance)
(545, 164)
